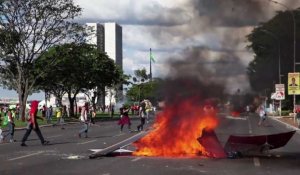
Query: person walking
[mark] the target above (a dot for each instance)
(44, 109)
(142, 115)
(11, 126)
(262, 114)
(49, 113)
(124, 118)
(148, 107)
(59, 114)
(33, 125)
(84, 120)
(93, 114)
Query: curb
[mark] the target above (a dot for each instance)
(40, 126)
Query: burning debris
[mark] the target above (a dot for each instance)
(176, 131)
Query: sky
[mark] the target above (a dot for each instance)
(202, 38)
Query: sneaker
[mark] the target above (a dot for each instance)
(23, 144)
(11, 140)
(45, 143)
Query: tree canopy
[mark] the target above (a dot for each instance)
(273, 43)
(28, 29)
(77, 68)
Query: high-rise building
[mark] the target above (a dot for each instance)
(96, 35)
(113, 42)
(108, 38)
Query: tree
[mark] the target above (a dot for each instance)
(141, 89)
(78, 67)
(28, 29)
(265, 41)
(140, 75)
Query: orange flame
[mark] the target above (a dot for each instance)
(176, 130)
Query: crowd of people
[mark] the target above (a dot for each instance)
(87, 118)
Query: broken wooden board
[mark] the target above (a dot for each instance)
(122, 144)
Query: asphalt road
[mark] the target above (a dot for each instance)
(68, 154)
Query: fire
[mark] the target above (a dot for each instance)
(176, 130)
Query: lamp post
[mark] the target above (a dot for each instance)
(294, 41)
(279, 60)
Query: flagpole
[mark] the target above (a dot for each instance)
(150, 66)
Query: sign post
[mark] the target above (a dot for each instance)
(293, 88)
(279, 95)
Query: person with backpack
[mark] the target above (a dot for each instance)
(142, 115)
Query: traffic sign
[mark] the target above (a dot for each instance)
(279, 92)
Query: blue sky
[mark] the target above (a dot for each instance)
(208, 31)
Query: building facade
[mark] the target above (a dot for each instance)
(108, 38)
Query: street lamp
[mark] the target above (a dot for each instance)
(294, 38)
(279, 59)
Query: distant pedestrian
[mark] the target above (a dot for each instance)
(298, 117)
(248, 109)
(44, 108)
(11, 126)
(124, 118)
(59, 118)
(93, 114)
(1, 136)
(49, 113)
(84, 120)
(112, 110)
(17, 112)
(262, 114)
(148, 109)
(142, 115)
(33, 125)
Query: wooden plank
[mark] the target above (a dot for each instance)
(119, 145)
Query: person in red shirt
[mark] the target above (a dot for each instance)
(33, 125)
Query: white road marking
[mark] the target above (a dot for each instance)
(28, 155)
(136, 159)
(54, 136)
(256, 161)
(82, 143)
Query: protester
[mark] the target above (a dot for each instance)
(93, 114)
(142, 115)
(148, 109)
(59, 117)
(124, 118)
(49, 113)
(11, 126)
(44, 109)
(84, 120)
(33, 125)
(262, 114)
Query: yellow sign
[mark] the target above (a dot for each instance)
(294, 83)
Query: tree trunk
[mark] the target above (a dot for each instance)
(23, 95)
(72, 100)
